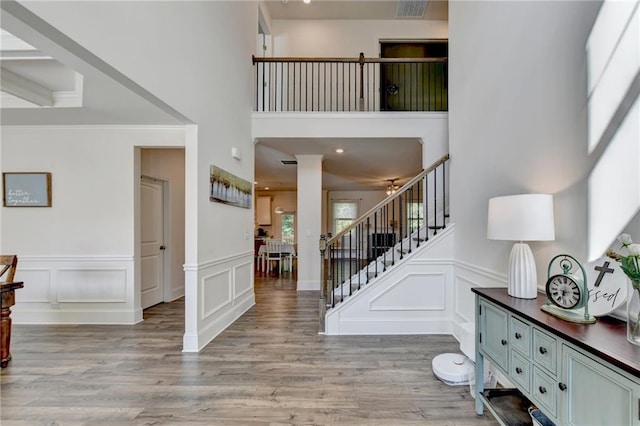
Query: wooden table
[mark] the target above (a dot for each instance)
(8, 300)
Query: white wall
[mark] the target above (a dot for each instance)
(430, 127)
(197, 58)
(340, 38)
(77, 257)
(517, 120)
(168, 165)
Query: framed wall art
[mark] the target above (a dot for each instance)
(26, 189)
(229, 189)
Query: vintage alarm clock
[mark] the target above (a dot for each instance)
(567, 294)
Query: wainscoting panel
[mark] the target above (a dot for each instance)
(413, 292)
(91, 285)
(216, 292)
(243, 280)
(76, 290)
(223, 291)
(37, 287)
(468, 276)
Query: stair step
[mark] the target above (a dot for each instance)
(419, 239)
(403, 251)
(436, 227)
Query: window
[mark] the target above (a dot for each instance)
(415, 216)
(345, 212)
(288, 227)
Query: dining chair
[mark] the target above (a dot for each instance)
(274, 253)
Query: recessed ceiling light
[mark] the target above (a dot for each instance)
(339, 150)
(306, 1)
(266, 188)
(255, 182)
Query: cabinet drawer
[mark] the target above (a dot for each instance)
(521, 371)
(544, 350)
(544, 391)
(520, 336)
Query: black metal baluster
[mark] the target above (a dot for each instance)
(401, 220)
(426, 205)
(435, 204)
(444, 199)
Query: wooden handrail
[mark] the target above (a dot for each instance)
(257, 59)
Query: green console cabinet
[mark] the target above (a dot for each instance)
(577, 374)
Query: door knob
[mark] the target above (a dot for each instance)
(163, 247)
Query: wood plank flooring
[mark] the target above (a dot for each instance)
(269, 368)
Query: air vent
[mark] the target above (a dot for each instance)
(289, 162)
(411, 8)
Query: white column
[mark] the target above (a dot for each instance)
(309, 215)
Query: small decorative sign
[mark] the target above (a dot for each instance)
(229, 189)
(22, 189)
(607, 286)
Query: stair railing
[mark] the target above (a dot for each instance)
(350, 84)
(383, 236)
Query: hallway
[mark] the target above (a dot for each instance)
(270, 367)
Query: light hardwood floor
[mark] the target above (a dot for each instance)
(269, 368)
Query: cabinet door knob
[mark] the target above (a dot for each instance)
(542, 389)
(543, 350)
(562, 386)
(518, 370)
(518, 336)
(504, 342)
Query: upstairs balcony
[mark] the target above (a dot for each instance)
(351, 84)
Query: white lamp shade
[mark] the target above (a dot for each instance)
(524, 217)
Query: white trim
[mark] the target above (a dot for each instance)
(75, 258)
(134, 127)
(488, 273)
(392, 327)
(350, 115)
(110, 317)
(216, 262)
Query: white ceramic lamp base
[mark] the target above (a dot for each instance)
(522, 280)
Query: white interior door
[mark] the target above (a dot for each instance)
(152, 242)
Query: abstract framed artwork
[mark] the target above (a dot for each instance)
(229, 189)
(26, 189)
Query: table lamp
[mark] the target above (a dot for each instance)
(524, 217)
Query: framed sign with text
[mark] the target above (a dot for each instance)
(26, 189)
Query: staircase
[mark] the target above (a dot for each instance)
(384, 237)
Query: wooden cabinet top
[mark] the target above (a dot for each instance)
(606, 339)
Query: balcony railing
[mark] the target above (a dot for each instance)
(351, 84)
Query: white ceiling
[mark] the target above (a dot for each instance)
(436, 10)
(87, 95)
(365, 164)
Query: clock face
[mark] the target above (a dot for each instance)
(563, 291)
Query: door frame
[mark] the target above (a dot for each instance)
(166, 237)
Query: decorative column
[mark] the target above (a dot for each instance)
(309, 217)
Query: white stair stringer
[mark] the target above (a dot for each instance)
(414, 296)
